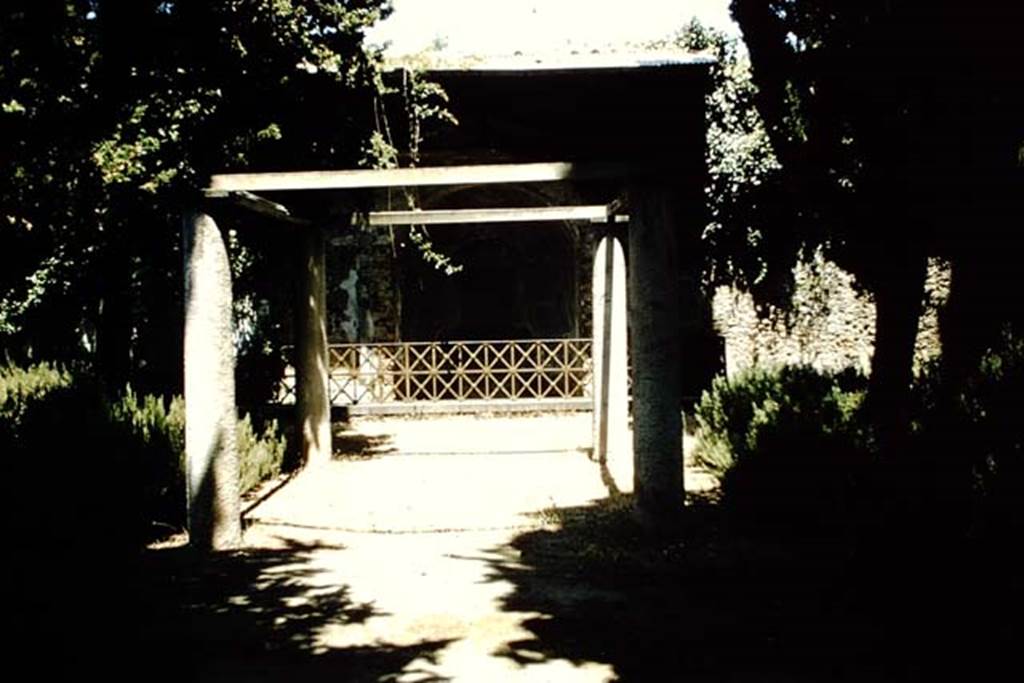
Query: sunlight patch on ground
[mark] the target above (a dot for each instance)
(442, 588)
(417, 528)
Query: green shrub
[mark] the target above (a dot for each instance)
(791, 446)
(974, 431)
(20, 388)
(736, 416)
(158, 433)
(998, 431)
(152, 434)
(151, 419)
(259, 455)
(78, 459)
(71, 475)
(725, 414)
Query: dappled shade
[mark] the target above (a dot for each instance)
(706, 603)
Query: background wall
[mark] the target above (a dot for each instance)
(831, 326)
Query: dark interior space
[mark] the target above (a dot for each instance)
(514, 280)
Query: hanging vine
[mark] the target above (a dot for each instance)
(422, 101)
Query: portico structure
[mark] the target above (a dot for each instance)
(623, 138)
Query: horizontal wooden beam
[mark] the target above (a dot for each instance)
(595, 214)
(419, 177)
(260, 205)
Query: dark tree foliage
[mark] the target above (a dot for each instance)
(745, 244)
(113, 113)
(899, 131)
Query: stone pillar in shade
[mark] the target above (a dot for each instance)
(656, 345)
(211, 458)
(612, 447)
(312, 368)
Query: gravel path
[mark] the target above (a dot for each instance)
(415, 523)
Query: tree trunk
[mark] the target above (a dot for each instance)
(970, 324)
(898, 310)
(971, 319)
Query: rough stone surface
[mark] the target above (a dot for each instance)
(363, 297)
(655, 329)
(210, 453)
(831, 326)
(928, 344)
(312, 370)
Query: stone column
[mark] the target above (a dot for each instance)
(656, 344)
(211, 458)
(611, 398)
(313, 402)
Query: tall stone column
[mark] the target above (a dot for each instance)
(313, 402)
(211, 458)
(611, 392)
(656, 344)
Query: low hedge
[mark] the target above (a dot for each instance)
(114, 463)
(790, 445)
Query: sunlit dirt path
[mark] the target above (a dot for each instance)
(413, 529)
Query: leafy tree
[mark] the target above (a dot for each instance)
(741, 246)
(897, 126)
(114, 113)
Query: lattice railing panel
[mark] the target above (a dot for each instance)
(457, 371)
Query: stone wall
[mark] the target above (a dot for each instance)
(831, 325)
(363, 298)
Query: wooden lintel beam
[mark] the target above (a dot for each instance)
(260, 205)
(420, 177)
(595, 214)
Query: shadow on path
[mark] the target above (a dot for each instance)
(349, 444)
(702, 605)
(255, 615)
(249, 615)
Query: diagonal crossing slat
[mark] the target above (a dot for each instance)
(521, 370)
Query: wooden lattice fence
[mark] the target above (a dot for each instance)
(522, 372)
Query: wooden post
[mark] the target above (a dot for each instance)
(611, 398)
(313, 402)
(211, 458)
(656, 342)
